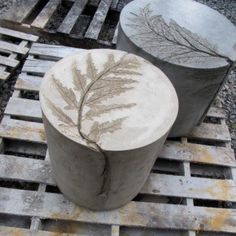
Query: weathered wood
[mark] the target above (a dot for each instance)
(42, 19)
(25, 169)
(98, 20)
(24, 108)
(10, 231)
(190, 187)
(37, 66)
(18, 34)
(39, 171)
(140, 214)
(23, 130)
(52, 51)
(207, 131)
(197, 153)
(216, 112)
(72, 16)
(8, 61)
(20, 10)
(4, 75)
(10, 47)
(28, 82)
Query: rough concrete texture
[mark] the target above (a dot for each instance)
(192, 44)
(106, 114)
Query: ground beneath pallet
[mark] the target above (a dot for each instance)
(226, 98)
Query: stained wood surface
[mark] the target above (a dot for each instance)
(17, 34)
(7, 61)
(20, 10)
(28, 82)
(39, 171)
(10, 47)
(140, 214)
(98, 19)
(44, 16)
(72, 16)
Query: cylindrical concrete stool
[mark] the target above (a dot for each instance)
(106, 114)
(192, 44)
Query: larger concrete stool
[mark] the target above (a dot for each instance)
(106, 114)
(192, 44)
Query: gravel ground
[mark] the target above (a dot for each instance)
(226, 98)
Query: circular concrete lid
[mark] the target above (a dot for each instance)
(181, 32)
(116, 99)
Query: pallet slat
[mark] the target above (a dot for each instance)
(8, 61)
(198, 153)
(24, 108)
(140, 214)
(37, 66)
(98, 19)
(72, 16)
(20, 10)
(39, 171)
(17, 34)
(23, 130)
(52, 51)
(42, 19)
(10, 47)
(9, 231)
(210, 131)
(28, 82)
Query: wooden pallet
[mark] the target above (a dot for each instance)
(190, 191)
(87, 23)
(14, 46)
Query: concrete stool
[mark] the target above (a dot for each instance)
(106, 114)
(192, 44)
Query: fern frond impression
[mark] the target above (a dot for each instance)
(175, 43)
(94, 88)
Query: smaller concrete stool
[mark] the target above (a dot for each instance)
(192, 44)
(106, 114)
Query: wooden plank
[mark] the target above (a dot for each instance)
(72, 16)
(37, 66)
(25, 169)
(23, 130)
(216, 112)
(190, 187)
(138, 214)
(20, 10)
(18, 34)
(44, 16)
(39, 171)
(8, 61)
(198, 153)
(214, 132)
(10, 47)
(10, 231)
(24, 108)
(98, 20)
(4, 75)
(28, 82)
(52, 51)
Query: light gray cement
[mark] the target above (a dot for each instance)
(196, 52)
(102, 152)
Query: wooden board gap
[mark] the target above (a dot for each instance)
(214, 204)
(18, 185)
(24, 149)
(15, 221)
(33, 95)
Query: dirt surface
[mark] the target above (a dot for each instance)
(226, 98)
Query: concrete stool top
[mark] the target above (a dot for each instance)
(181, 32)
(116, 99)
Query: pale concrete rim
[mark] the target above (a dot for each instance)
(149, 142)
